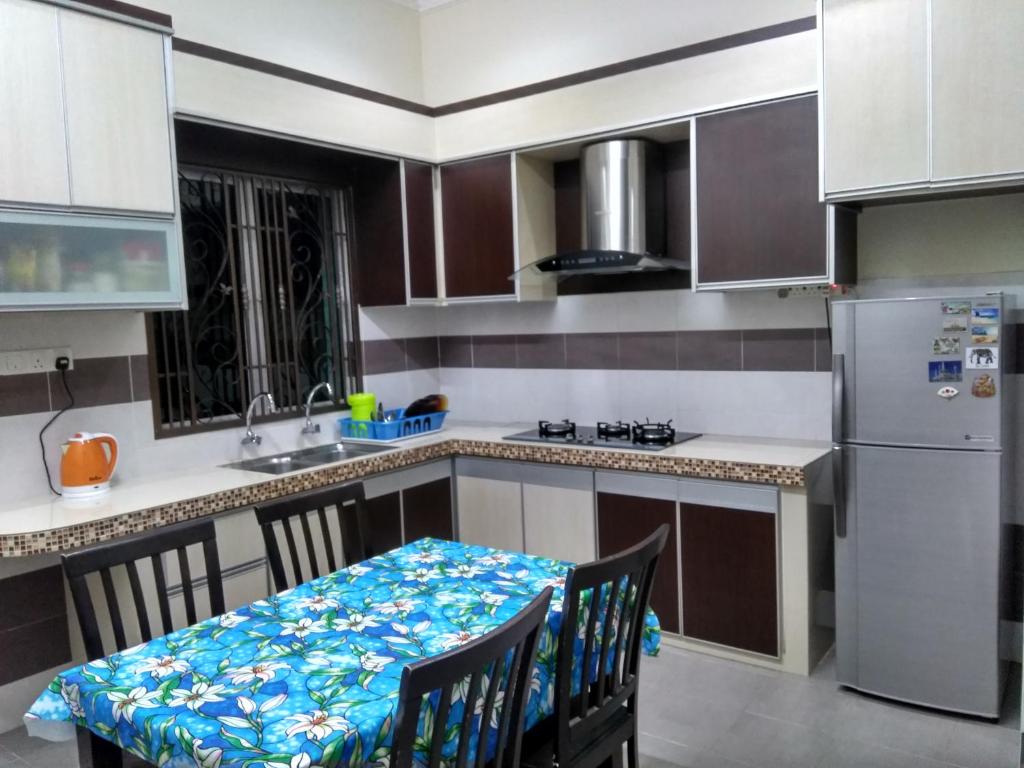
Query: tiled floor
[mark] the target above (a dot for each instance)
(701, 712)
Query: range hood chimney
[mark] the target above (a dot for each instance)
(622, 201)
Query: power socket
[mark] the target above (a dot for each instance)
(22, 361)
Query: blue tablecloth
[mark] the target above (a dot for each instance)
(310, 676)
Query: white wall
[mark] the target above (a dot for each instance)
(476, 47)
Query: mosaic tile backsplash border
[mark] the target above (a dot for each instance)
(70, 537)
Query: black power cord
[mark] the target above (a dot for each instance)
(62, 365)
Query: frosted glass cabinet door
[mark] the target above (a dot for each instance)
(977, 88)
(118, 127)
(61, 260)
(33, 153)
(875, 96)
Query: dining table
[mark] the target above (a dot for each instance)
(310, 676)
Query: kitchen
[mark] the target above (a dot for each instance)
(430, 210)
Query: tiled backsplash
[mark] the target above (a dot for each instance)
(93, 381)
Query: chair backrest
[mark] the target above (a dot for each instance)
(349, 503)
(609, 598)
(104, 558)
(499, 666)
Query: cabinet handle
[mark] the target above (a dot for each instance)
(838, 396)
(839, 491)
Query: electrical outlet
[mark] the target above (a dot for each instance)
(21, 361)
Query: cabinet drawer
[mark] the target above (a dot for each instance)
(755, 498)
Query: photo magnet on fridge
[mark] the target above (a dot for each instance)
(983, 357)
(983, 386)
(956, 307)
(946, 345)
(985, 316)
(984, 334)
(945, 370)
(954, 325)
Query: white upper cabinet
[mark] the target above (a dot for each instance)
(920, 95)
(119, 136)
(33, 150)
(977, 88)
(875, 93)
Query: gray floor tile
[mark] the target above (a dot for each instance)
(773, 743)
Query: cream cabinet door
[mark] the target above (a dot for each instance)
(875, 93)
(119, 137)
(558, 513)
(977, 88)
(490, 504)
(33, 149)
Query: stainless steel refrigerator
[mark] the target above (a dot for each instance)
(921, 471)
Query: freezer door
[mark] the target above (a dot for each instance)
(917, 577)
(888, 395)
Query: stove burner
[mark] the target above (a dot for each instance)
(653, 434)
(617, 431)
(564, 428)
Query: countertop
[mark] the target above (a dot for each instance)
(51, 525)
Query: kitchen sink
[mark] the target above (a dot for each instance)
(307, 458)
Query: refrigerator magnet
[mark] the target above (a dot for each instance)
(946, 345)
(956, 307)
(983, 357)
(985, 316)
(984, 334)
(947, 392)
(983, 386)
(954, 325)
(945, 370)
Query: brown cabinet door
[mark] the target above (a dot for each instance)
(428, 510)
(623, 521)
(758, 215)
(476, 213)
(730, 591)
(379, 251)
(384, 523)
(419, 216)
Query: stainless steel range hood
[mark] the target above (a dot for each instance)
(622, 203)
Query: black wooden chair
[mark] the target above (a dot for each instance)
(127, 553)
(595, 711)
(349, 503)
(504, 658)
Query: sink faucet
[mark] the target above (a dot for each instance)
(251, 438)
(311, 428)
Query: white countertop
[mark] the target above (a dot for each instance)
(139, 494)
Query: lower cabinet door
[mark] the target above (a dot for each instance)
(730, 588)
(427, 510)
(558, 513)
(383, 529)
(623, 521)
(490, 501)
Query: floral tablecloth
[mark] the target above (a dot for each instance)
(309, 677)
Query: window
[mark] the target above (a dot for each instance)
(268, 292)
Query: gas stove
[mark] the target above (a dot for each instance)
(647, 436)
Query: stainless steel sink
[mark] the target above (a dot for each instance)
(307, 458)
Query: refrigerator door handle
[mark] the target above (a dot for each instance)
(839, 491)
(838, 396)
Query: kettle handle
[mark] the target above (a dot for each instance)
(111, 442)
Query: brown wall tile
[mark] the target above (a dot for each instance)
(383, 356)
(784, 349)
(456, 351)
(494, 351)
(709, 351)
(595, 351)
(421, 352)
(94, 381)
(654, 351)
(822, 350)
(140, 377)
(23, 394)
(539, 350)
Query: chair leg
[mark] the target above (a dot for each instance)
(102, 753)
(632, 750)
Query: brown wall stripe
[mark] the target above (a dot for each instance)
(129, 10)
(713, 45)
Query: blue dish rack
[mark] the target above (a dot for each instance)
(398, 428)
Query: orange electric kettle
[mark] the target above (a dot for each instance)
(86, 468)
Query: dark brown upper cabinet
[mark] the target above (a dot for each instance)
(759, 222)
(477, 223)
(419, 221)
(378, 244)
(730, 580)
